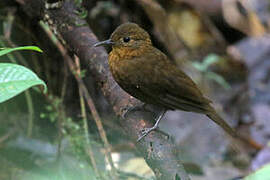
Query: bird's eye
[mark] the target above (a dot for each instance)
(126, 39)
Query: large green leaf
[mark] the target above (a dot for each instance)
(15, 79)
(261, 174)
(4, 51)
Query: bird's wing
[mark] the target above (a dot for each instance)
(170, 87)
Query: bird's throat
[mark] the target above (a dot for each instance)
(125, 53)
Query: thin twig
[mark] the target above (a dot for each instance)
(89, 101)
(31, 113)
(64, 86)
(9, 23)
(98, 123)
(88, 148)
(62, 116)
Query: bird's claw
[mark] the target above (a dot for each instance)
(145, 132)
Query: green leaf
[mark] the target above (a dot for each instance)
(15, 79)
(4, 51)
(261, 174)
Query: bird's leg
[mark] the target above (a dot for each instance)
(146, 131)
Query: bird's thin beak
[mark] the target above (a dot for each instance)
(107, 42)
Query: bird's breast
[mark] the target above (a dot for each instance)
(122, 67)
(126, 73)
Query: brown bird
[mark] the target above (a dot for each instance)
(148, 75)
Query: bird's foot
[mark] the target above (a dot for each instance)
(145, 132)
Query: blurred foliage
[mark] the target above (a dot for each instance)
(189, 27)
(260, 174)
(204, 68)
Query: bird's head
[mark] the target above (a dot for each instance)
(127, 37)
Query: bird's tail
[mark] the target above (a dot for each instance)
(224, 125)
